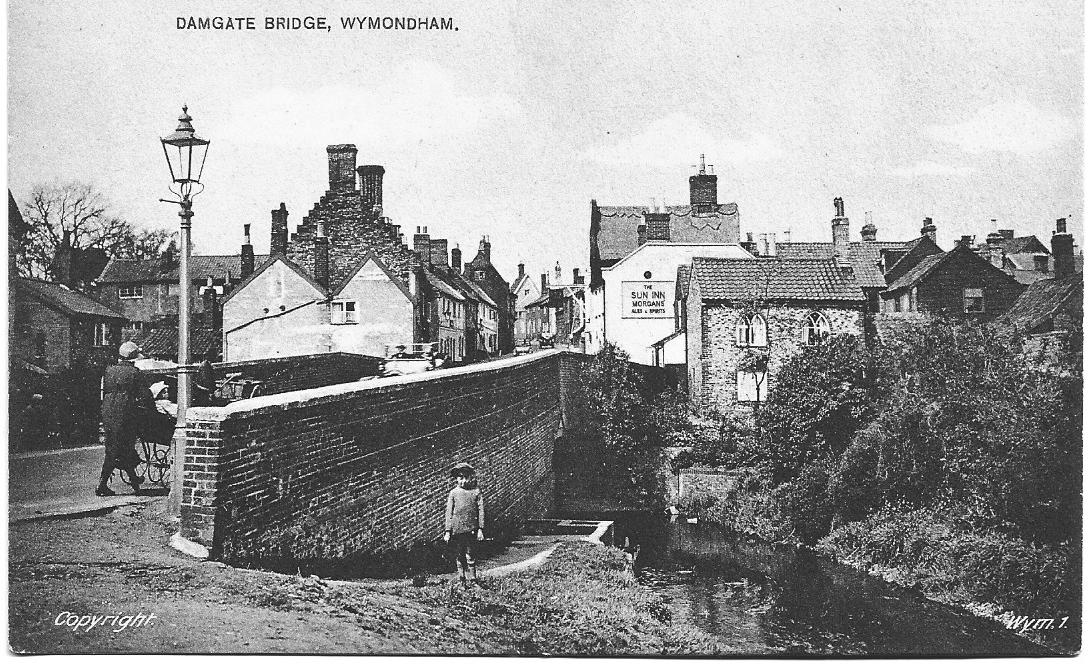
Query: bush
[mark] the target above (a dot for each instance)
(935, 552)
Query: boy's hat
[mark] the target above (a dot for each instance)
(462, 469)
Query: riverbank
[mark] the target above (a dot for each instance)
(990, 575)
(582, 600)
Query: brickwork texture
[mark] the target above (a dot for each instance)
(343, 472)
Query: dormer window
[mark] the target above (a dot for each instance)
(751, 331)
(974, 299)
(816, 329)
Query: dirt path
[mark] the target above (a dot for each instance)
(119, 564)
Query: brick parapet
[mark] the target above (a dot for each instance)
(362, 467)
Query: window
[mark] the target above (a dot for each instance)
(751, 331)
(130, 292)
(479, 275)
(136, 326)
(344, 312)
(1040, 263)
(974, 299)
(102, 334)
(816, 329)
(751, 386)
(904, 303)
(525, 292)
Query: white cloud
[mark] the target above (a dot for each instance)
(680, 139)
(930, 168)
(420, 102)
(1014, 126)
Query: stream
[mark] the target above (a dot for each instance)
(764, 599)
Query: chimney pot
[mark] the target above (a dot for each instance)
(246, 257)
(1063, 250)
(929, 230)
(456, 259)
(522, 269)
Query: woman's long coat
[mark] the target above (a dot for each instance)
(126, 395)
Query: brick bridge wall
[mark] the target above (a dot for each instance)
(307, 371)
(362, 468)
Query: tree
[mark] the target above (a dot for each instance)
(81, 212)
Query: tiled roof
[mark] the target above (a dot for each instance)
(864, 257)
(918, 272)
(201, 267)
(617, 234)
(442, 286)
(774, 278)
(162, 343)
(71, 302)
(1029, 244)
(481, 294)
(1043, 300)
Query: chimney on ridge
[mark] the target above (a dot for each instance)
(841, 243)
(657, 226)
(995, 252)
(278, 245)
(342, 167)
(61, 268)
(246, 264)
(1063, 250)
(421, 240)
(456, 259)
(869, 233)
(485, 249)
(703, 190)
(929, 230)
(576, 279)
(371, 187)
(522, 269)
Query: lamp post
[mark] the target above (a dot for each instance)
(185, 153)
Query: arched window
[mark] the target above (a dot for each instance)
(751, 331)
(816, 328)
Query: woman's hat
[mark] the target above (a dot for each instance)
(158, 388)
(129, 350)
(462, 469)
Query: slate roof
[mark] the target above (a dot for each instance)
(442, 286)
(75, 304)
(617, 232)
(201, 267)
(1023, 244)
(162, 342)
(1043, 300)
(774, 278)
(264, 264)
(864, 256)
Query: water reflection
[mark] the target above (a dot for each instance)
(763, 599)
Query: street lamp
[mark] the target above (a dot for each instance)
(185, 153)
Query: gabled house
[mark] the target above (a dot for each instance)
(499, 319)
(746, 317)
(955, 283)
(280, 310)
(525, 291)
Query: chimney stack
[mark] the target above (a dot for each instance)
(994, 252)
(438, 251)
(485, 249)
(456, 259)
(522, 269)
(703, 191)
(213, 313)
(966, 241)
(869, 233)
(657, 226)
(279, 243)
(321, 256)
(342, 167)
(576, 279)
(421, 241)
(544, 283)
(557, 273)
(929, 230)
(1006, 233)
(641, 233)
(1063, 250)
(841, 242)
(246, 264)
(371, 187)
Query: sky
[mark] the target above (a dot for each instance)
(959, 111)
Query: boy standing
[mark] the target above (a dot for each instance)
(464, 520)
